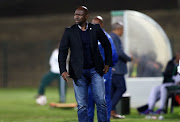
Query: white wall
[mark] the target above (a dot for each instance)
(139, 89)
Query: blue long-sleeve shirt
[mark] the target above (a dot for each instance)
(114, 53)
(120, 67)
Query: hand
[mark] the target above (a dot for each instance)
(132, 58)
(113, 69)
(106, 68)
(65, 75)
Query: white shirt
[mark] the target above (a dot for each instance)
(176, 78)
(178, 68)
(86, 26)
(53, 62)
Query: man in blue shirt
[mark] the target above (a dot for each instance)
(120, 69)
(107, 76)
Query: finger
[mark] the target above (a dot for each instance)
(65, 79)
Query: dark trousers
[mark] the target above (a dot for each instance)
(46, 80)
(118, 88)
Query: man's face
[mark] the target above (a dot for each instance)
(96, 21)
(80, 16)
(120, 31)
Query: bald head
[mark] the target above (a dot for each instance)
(98, 20)
(117, 28)
(83, 8)
(117, 25)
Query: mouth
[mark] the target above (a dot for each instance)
(76, 21)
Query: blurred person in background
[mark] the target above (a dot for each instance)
(119, 70)
(148, 66)
(52, 75)
(86, 65)
(107, 76)
(160, 92)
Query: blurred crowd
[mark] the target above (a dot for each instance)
(145, 66)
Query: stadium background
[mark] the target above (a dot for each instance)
(30, 30)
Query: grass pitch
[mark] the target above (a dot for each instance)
(18, 105)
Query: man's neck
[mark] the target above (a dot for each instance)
(83, 26)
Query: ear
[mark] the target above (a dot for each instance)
(102, 25)
(87, 16)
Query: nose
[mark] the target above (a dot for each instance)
(76, 16)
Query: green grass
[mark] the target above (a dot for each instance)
(18, 105)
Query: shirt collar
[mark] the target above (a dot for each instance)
(86, 26)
